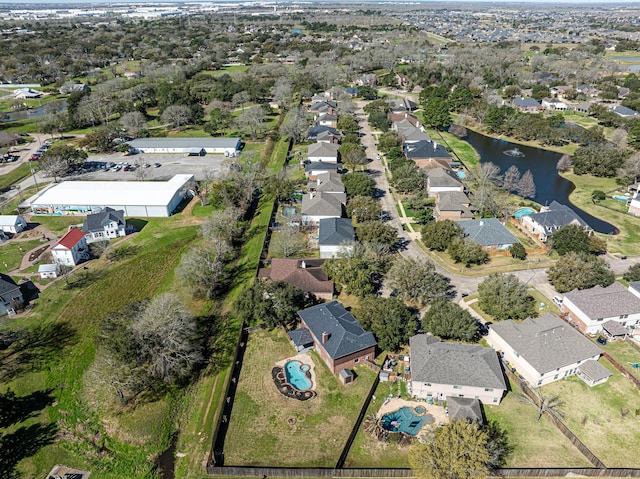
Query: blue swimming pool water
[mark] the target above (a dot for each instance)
(622, 198)
(405, 420)
(289, 211)
(523, 212)
(296, 375)
(461, 174)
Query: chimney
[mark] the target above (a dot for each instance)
(435, 145)
(325, 337)
(303, 265)
(406, 115)
(481, 223)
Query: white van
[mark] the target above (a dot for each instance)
(557, 300)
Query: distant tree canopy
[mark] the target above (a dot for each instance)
(602, 160)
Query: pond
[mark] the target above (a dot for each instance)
(550, 185)
(36, 112)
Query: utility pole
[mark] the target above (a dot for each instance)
(33, 173)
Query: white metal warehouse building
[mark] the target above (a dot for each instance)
(136, 198)
(226, 146)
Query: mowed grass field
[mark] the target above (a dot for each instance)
(606, 417)
(259, 430)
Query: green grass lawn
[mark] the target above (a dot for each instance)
(605, 417)
(14, 176)
(534, 443)
(58, 225)
(261, 413)
(624, 353)
(12, 252)
(464, 151)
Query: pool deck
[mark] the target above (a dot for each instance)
(304, 358)
(394, 404)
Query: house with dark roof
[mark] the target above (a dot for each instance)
(334, 235)
(591, 309)
(402, 105)
(624, 111)
(314, 131)
(312, 170)
(529, 105)
(318, 206)
(409, 133)
(337, 336)
(423, 152)
(11, 298)
(453, 205)
(104, 225)
(327, 182)
(550, 219)
(442, 369)
(325, 152)
(323, 106)
(542, 350)
(488, 233)
(442, 179)
(71, 249)
(328, 137)
(305, 275)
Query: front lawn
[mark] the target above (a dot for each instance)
(260, 430)
(12, 252)
(606, 417)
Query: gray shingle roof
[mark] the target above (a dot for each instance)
(433, 361)
(323, 149)
(526, 102)
(547, 343)
(95, 222)
(598, 302)
(330, 182)
(465, 408)
(594, 370)
(624, 111)
(206, 142)
(300, 337)
(335, 231)
(426, 149)
(557, 216)
(321, 166)
(442, 177)
(346, 336)
(323, 204)
(8, 289)
(487, 232)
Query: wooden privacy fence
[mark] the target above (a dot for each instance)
(622, 369)
(555, 421)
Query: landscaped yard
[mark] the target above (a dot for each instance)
(11, 253)
(259, 430)
(535, 443)
(606, 417)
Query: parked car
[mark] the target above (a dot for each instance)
(601, 340)
(35, 157)
(557, 300)
(157, 165)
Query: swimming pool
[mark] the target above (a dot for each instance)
(288, 211)
(622, 198)
(461, 174)
(406, 420)
(523, 212)
(296, 374)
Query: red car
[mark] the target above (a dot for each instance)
(35, 157)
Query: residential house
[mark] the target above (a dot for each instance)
(327, 119)
(327, 182)
(423, 153)
(442, 179)
(550, 219)
(554, 104)
(624, 112)
(11, 298)
(104, 225)
(528, 105)
(442, 369)
(318, 206)
(335, 235)
(13, 224)
(453, 205)
(634, 204)
(133, 74)
(314, 131)
(409, 133)
(47, 271)
(71, 249)
(26, 94)
(337, 336)
(542, 350)
(312, 170)
(591, 309)
(328, 137)
(325, 152)
(402, 80)
(560, 90)
(71, 87)
(303, 274)
(403, 105)
(488, 233)
(400, 116)
(583, 107)
(587, 91)
(323, 106)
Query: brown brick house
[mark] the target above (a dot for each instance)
(303, 274)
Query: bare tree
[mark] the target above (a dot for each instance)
(564, 163)
(251, 121)
(526, 186)
(202, 268)
(140, 171)
(511, 178)
(489, 176)
(294, 126)
(619, 138)
(133, 122)
(545, 404)
(176, 115)
(222, 225)
(631, 168)
(239, 99)
(288, 241)
(282, 92)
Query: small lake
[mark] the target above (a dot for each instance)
(36, 112)
(550, 185)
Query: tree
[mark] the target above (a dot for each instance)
(251, 121)
(363, 208)
(391, 322)
(580, 271)
(176, 115)
(504, 296)
(417, 281)
(448, 320)
(526, 185)
(439, 234)
(133, 122)
(602, 160)
(511, 178)
(598, 196)
(466, 252)
(288, 241)
(571, 238)
(61, 159)
(202, 268)
(436, 113)
(564, 163)
(388, 140)
(348, 123)
(488, 177)
(376, 232)
(458, 450)
(282, 92)
(631, 167)
(550, 404)
(354, 157)
(633, 273)
(294, 126)
(240, 98)
(358, 184)
(352, 273)
(518, 251)
(272, 303)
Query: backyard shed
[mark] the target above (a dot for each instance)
(346, 376)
